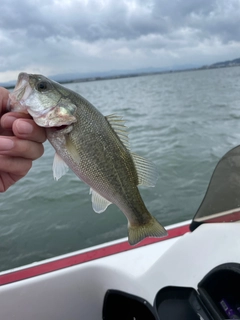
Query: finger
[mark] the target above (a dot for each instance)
(12, 146)
(8, 119)
(15, 165)
(24, 127)
(29, 130)
(12, 170)
(4, 93)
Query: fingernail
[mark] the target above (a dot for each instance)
(24, 127)
(6, 144)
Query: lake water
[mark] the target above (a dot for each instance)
(184, 122)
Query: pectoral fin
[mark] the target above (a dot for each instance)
(59, 167)
(72, 150)
(99, 203)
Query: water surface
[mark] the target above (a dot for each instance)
(184, 122)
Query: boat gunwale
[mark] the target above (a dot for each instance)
(84, 256)
(104, 250)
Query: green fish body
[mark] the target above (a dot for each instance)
(95, 147)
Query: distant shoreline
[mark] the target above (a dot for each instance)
(132, 75)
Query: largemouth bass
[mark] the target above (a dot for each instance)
(95, 147)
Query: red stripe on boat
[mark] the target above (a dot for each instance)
(62, 263)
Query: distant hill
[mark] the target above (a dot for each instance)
(74, 77)
(112, 74)
(223, 64)
(115, 74)
(8, 85)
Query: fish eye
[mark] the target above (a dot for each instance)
(42, 86)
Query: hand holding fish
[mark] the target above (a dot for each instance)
(20, 143)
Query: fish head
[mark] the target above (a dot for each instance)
(43, 99)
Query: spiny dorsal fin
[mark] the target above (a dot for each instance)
(146, 170)
(117, 124)
(99, 203)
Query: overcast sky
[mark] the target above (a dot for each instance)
(64, 36)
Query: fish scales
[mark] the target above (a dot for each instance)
(102, 155)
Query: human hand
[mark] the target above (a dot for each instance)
(21, 142)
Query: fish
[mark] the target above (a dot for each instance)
(95, 147)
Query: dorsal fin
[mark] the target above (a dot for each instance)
(146, 171)
(117, 124)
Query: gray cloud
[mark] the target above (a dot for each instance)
(61, 36)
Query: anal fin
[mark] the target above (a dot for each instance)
(99, 203)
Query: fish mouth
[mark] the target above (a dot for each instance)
(64, 129)
(59, 128)
(22, 90)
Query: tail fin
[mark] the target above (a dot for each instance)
(150, 229)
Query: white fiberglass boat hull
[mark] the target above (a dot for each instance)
(53, 290)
